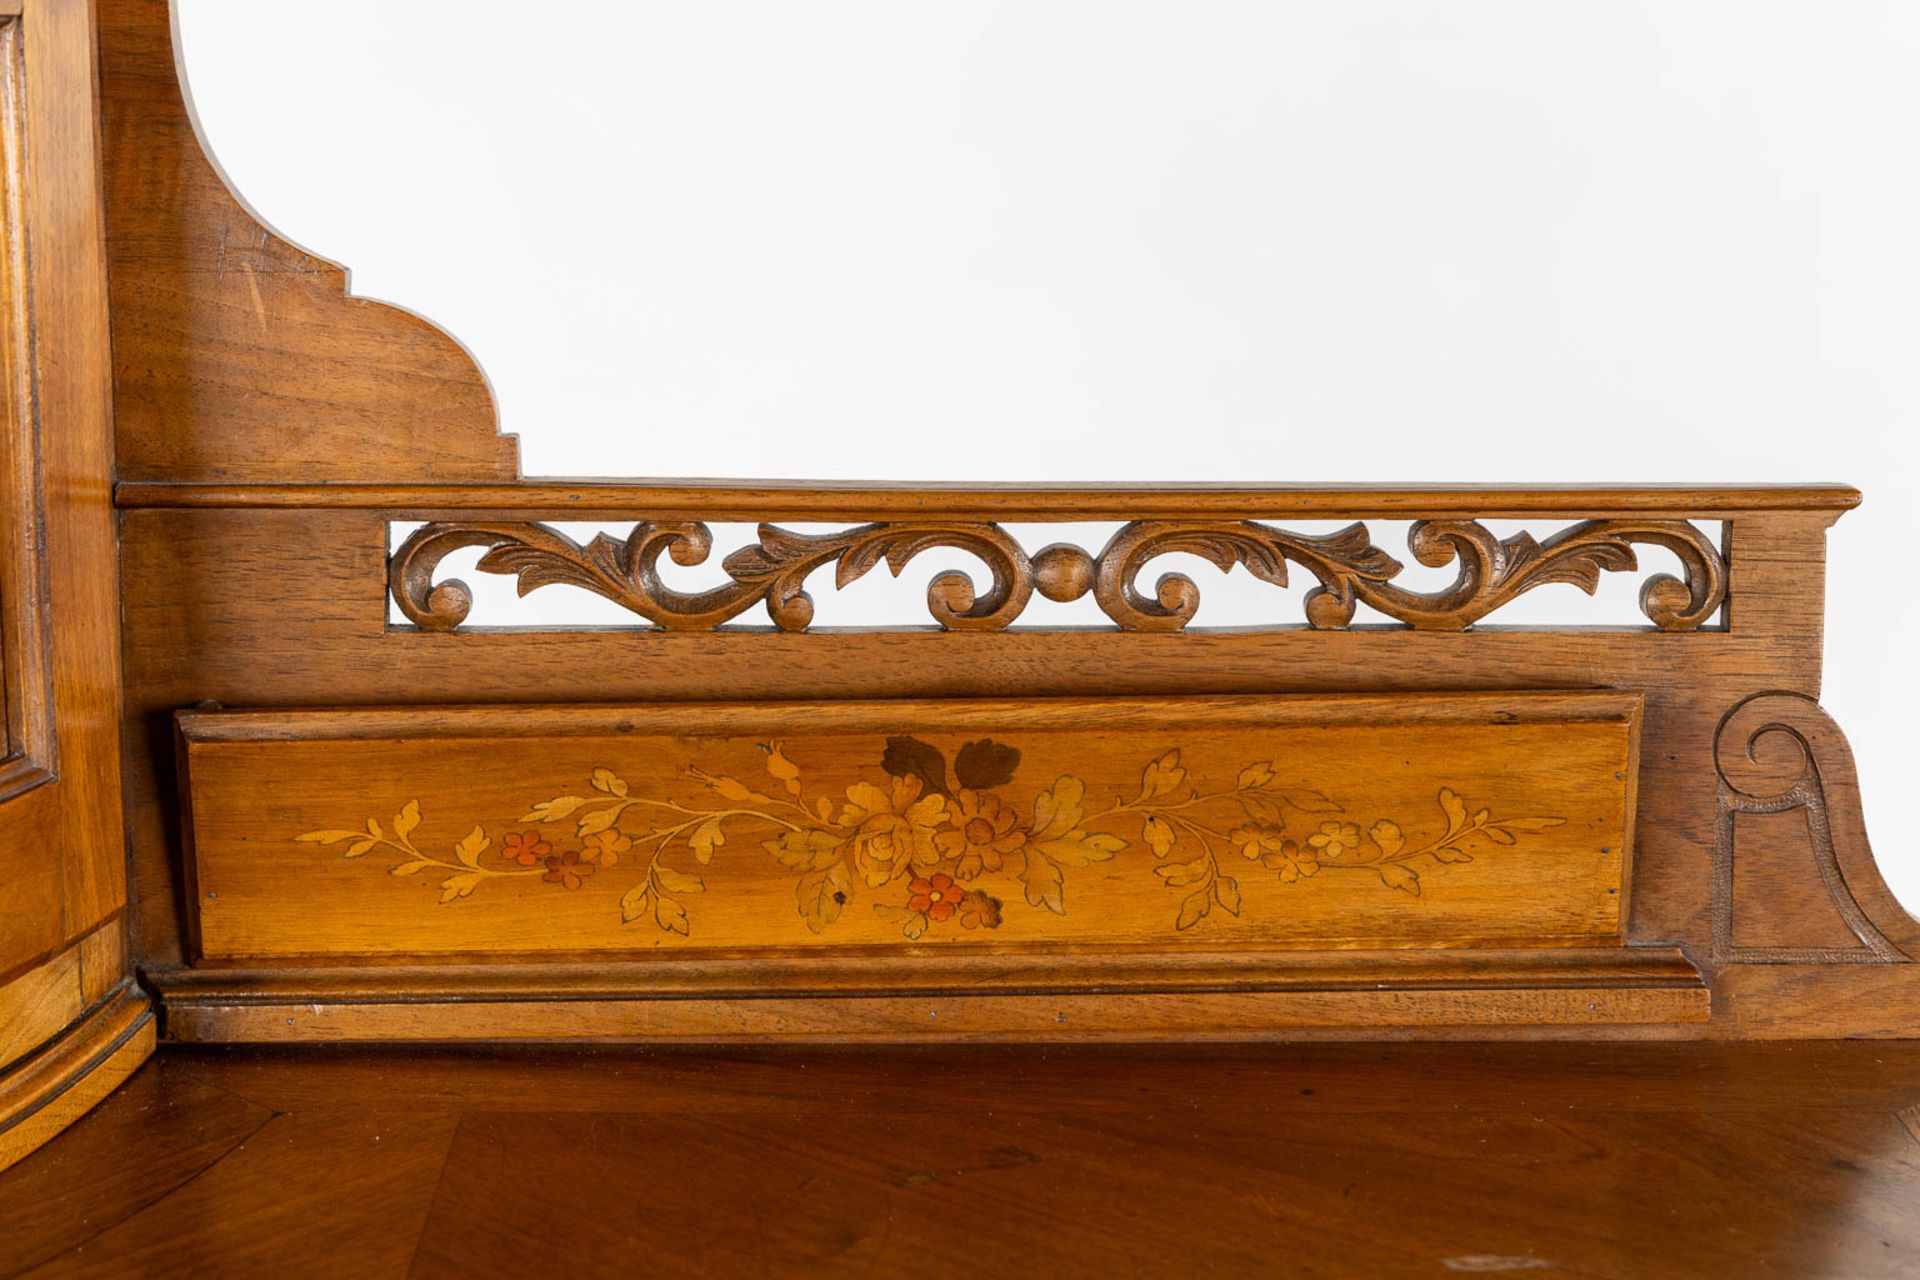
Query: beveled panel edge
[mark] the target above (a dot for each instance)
(798, 718)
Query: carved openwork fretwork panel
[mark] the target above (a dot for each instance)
(1347, 567)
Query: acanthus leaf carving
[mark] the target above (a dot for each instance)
(1348, 568)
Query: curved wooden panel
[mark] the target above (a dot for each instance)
(239, 356)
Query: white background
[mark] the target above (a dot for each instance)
(1475, 240)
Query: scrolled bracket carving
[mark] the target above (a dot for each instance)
(1346, 563)
(1493, 571)
(1348, 568)
(626, 570)
(1767, 752)
(1351, 570)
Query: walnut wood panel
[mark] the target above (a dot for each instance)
(271, 428)
(62, 837)
(238, 356)
(1342, 822)
(312, 631)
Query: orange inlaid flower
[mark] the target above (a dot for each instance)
(567, 869)
(524, 847)
(935, 895)
(605, 847)
(981, 831)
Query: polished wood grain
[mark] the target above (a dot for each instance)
(42, 1094)
(273, 431)
(1226, 823)
(856, 501)
(1614, 1161)
(69, 1026)
(239, 356)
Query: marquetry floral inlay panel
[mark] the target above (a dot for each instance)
(1347, 567)
(932, 844)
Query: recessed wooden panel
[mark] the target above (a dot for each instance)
(1320, 822)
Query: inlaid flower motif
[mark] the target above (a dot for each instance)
(605, 847)
(948, 847)
(524, 847)
(1256, 840)
(1334, 840)
(979, 910)
(893, 829)
(936, 896)
(567, 869)
(981, 831)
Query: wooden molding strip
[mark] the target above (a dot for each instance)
(1059, 973)
(751, 500)
(1356, 995)
(54, 1087)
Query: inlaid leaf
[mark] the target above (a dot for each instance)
(1057, 811)
(554, 810)
(822, 894)
(608, 781)
(1395, 876)
(1532, 824)
(1226, 892)
(406, 820)
(459, 886)
(1158, 834)
(327, 837)
(636, 901)
(1162, 776)
(673, 881)
(1045, 884)
(1078, 848)
(1177, 874)
(1307, 800)
(671, 916)
(364, 847)
(729, 788)
(598, 820)
(471, 846)
(982, 765)
(705, 839)
(1454, 808)
(1255, 776)
(1388, 836)
(784, 771)
(1260, 808)
(410, 868)
(1194, 908)
(907, 757)
(808, 850)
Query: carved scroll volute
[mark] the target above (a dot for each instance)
(1781, 752)
(1493, 571)
(1346, 563)
(626, 571)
